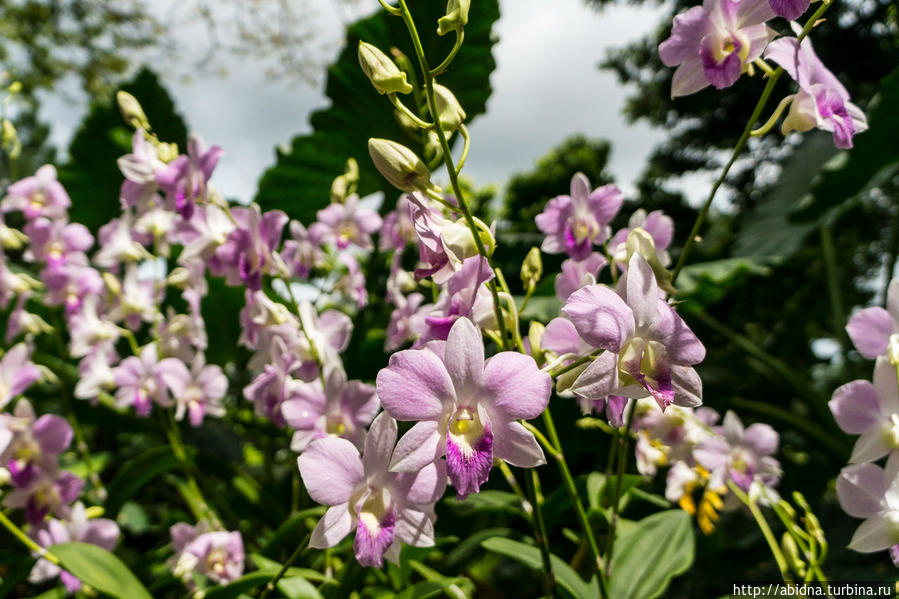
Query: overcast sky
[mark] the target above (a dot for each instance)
(546, 87)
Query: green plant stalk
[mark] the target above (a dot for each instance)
(450, 166)
(575, 364)
(26, 540)
(575, 499)
(198, 501)
(766, 530)
(833, 284)
(270, 585)
(532, 483)
(624, 439)
(741, 143)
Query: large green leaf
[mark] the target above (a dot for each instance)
(138, 472)
(91, 176)
(530, 556)
(100, 569)
(300, 182)
(767, 230)
(655, 550)
(708, 282)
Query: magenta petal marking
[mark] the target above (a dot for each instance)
(370, 545)
(468, 466)
(661, 389)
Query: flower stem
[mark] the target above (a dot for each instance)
(26, 540)
(766, 530)
(198, 503)
(575, 499)
(450, 166)
(624, 439)
(270, 585)
(532, 482)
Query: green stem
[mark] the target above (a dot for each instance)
(766, 530)
(575, 364)
(833, 284)
(575, 499)
(623, 441)
(198, 502)
(398, 104)
(460, 37)
(450, 167)
(741, 143)
(533, 485)
(26, 540)
(270, 585)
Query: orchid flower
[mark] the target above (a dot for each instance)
(871, 411)
(38, 195)
(216, 554)
(714, 43)
(875, 331)
(871, 492)
(101, 532)
(17, 373)
(648, 347)
(33, 444)
(573, 224)
(822, 101)
(383, 507)
(338, 407)
(465, 408)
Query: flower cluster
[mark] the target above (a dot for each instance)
(704, 457)
(715, 43)
(870, 409)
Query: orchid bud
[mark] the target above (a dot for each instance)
(565, 380)
(15, 88)
(11, 239)
(345, 184)
(787, 508)
(383, 73)
(132, 111)
(450, 112)
(802, 116)
(10, 139)
(399, 165)
(94, 511)
(893, 350)
(532, 268)
(639, 241)
(535, 338)
(791, 553)
(456, 17)
(112, 283)
(458, 241)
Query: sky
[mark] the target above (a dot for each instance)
(546, 87)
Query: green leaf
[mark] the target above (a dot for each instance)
(709, 282)
(297, 587)
(488, 500)
(100, 569)
(300, 181)
(530, 556)
(655, 550)
(238, 587)
(601, 493)
(91, 176)
(767, 230)
(138, 472)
